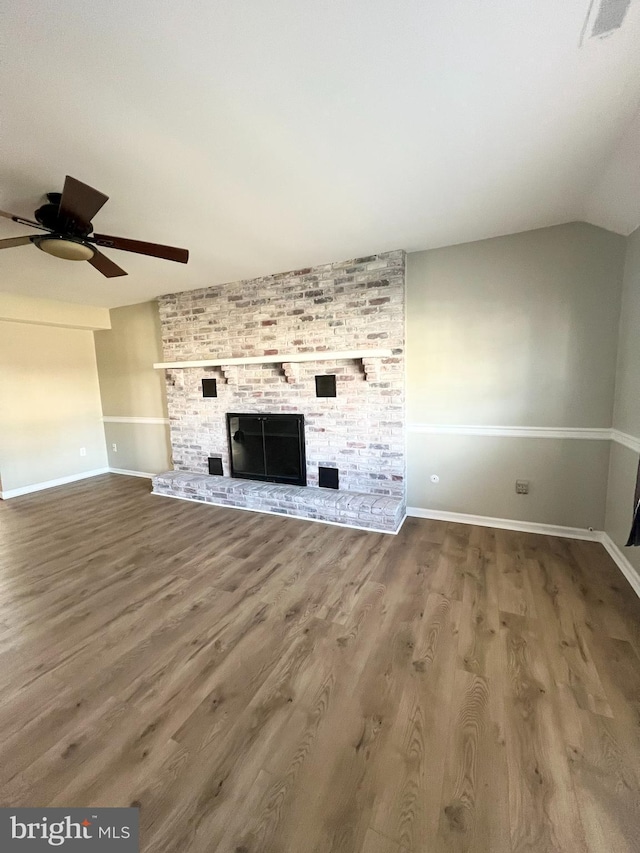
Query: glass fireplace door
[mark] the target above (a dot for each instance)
(247, 446)
(268, 447)
(282, 449)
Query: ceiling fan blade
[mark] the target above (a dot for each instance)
(156, 250)
(22, 221)
(10, 242)
(105, 265)
(79, 202)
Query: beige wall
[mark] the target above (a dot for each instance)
(130, 388)
(142, 448)
(514, 331)
(49, 405)
(626, 417)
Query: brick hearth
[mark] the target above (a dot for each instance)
(369, 511)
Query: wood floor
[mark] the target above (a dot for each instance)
(265, 685)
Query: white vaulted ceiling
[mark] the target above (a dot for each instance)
(267, 135)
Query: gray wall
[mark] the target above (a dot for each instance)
(626, 413)
(130, 388)
(568, 478)
(514, 331)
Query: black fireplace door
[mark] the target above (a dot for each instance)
(267, 447)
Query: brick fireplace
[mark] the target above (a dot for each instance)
(341, 308)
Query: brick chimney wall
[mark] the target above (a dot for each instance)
(352, 305)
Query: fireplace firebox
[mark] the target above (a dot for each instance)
(267, 447)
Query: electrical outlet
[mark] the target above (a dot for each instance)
(83, 451)
(522, 487)
(114, 447)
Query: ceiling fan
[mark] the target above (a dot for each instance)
(67, 218)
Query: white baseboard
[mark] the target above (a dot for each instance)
(506, 524)
(50, 484)
(619, 558)
(131, 473)
(282, 515)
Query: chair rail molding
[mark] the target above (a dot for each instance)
(588, 433)
(117, 419)
(626, 440)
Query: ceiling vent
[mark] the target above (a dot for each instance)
(605, 16)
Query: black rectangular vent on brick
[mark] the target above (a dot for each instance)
(327, 477)
(215, 464)
(326, 386)
(209, 388)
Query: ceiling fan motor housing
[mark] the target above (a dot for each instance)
(49, 216)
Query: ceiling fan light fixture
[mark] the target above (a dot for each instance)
(67, 217)
(63, 247)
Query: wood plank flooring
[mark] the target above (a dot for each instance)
(266, 685)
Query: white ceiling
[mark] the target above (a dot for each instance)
(266, 136)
